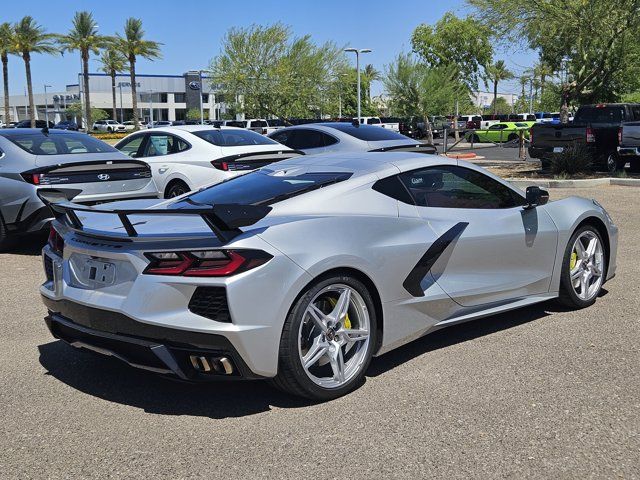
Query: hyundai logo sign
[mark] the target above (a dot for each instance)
(194, 85)
(104, 176)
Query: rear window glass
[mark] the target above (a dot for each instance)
(41, 144)
(368, 133)
(373, 121)
(612, 114)
(233, 138)
(263, 187)
(237, 123)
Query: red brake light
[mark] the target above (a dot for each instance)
(620, 136)
(33, 178)
(55, 241)
(204, 263)
(224, 166)
(591, 137)
(530, 135)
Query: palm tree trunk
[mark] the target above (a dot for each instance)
(5, 80)
(134, 93)
(85, 81)
(495, 97)
(27, 68)
(113, 94)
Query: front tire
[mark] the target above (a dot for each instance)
(327, 340)
(583, 268)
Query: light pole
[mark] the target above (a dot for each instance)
(358, 52)
(46, 105)
(151, 108)
(121, 112)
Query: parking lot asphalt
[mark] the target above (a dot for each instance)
(534, 393)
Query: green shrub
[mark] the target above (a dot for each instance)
(575, 158)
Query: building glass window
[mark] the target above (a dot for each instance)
(179, 97)
(205, 98)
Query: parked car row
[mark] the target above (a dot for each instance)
(161, 162)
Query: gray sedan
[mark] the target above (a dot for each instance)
(32, 158)
(346, 137)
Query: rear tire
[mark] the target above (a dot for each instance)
(512, 137)
(320, 379)
(176, 189)
(613, 163)
(569, 296)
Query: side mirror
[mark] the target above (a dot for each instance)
(536, 197)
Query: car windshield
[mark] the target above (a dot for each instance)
(263, 187)
(227, 137)
(69, 143)
(520, 124)
(368, 133)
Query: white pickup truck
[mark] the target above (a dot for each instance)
(389, 123)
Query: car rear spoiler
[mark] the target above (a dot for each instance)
(426, 148)
(224, 220)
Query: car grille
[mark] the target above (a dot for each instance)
(210, 302)
(48, 268)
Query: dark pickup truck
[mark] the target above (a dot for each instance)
(595, 126)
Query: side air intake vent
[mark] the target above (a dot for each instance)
(210, 302)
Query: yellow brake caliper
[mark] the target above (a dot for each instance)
(347, 322)
(573, 261)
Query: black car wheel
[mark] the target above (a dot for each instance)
(614, 163)
(176, 189)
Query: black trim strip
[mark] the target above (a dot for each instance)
(424, 265)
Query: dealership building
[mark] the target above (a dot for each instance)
(161, 97)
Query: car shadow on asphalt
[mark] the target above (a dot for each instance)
(112, 380)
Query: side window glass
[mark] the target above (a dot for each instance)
(285, 138)
(329, 140)
(307, 139)
(132, 146)
(458, 187)
(158, 145)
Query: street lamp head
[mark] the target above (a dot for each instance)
(365, 50)
(350, 49)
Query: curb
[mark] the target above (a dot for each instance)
(461, 156)
(587, 183)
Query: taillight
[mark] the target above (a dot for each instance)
(591, 137)
(34, 178)
(204, 263)
(55, 241)
(620, 136)
(224, 166)
(531, 136)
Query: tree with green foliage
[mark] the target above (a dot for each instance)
(113, 61)
(30, 37)
(133, 46)
(497, 72)
(194, 114)
(461, 42)
(76, 110)
(276, 74)
(590, 42)
(7, 46)
(84, 37)
(499, 106)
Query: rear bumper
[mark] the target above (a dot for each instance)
(629, 151)
(154, 348)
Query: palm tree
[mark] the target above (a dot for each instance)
(29, 37)
(6, 47)
(498, 72)
(84, 38)
(371, 74)
(113, 61)
(543, 71)
(133, 45)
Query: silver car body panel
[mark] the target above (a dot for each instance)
(501, 260)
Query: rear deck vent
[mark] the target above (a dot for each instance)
(210, 302)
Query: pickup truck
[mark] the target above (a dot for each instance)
(595, 126)
(390, 123)
(629, 149)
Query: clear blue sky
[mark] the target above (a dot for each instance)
(191, 31)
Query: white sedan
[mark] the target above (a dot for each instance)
(108, 126)
(188, 157)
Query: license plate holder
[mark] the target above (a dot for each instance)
(98, 273)
(558, 149)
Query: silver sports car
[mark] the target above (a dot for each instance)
(303, 270)
(334, 137)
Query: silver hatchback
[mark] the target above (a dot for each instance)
(33, 158)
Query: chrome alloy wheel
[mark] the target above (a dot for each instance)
(586, 265)
(334, 336)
